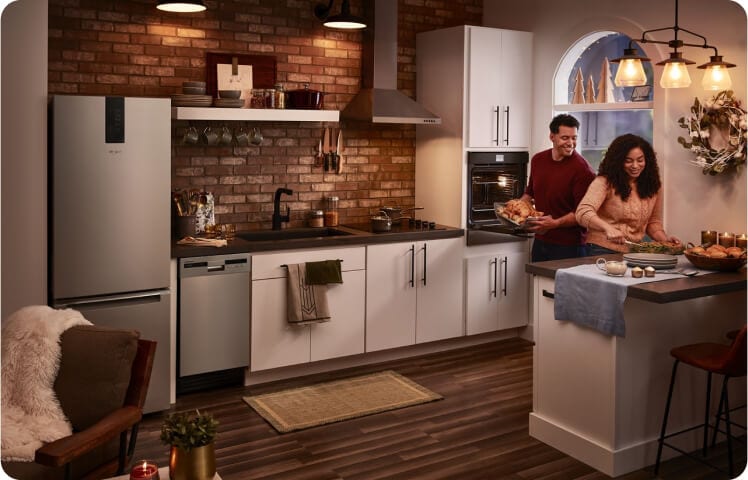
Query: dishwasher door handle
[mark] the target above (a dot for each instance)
(216, 268)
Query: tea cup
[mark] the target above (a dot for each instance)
(191, 136)
(612, 267)
(241, 136)
(256, 137)
(226, 136)
(211, 137)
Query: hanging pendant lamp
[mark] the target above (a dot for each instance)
(182, 6)
(343, 21)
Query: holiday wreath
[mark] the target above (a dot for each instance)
(717, 133)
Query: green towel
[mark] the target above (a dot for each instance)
(324, 272)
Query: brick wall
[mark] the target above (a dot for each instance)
(128, 47)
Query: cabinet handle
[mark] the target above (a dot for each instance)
(495, 262)
(424, 264)
(506, 140)
(548, 294)
(505, 261)
(497, 112)
(412, 266)
(596, 122)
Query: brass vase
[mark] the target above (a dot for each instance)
(197, 464)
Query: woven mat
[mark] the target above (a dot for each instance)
(329, 402)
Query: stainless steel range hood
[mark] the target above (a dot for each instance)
(379, 101)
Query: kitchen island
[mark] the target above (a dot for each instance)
(600, 398)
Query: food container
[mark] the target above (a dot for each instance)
(381, 223)
(304, 99)
(317, 219)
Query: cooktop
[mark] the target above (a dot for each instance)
(404, 227)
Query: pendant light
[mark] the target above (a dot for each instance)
(343, 21)
(183, 6)
(675, 72)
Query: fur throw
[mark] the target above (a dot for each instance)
(31, 414)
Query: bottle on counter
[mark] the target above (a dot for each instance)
(331, 212)
(317, 218)
(280, 96)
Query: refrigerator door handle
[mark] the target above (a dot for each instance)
(111, 299)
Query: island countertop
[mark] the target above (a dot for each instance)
(658, 292)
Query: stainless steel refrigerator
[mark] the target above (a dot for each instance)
(109, 248)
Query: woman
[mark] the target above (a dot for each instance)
(623, 202)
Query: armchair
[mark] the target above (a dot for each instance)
(101, 386)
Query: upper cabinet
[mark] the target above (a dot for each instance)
(498, 93)
(488, 106)
(254, 114)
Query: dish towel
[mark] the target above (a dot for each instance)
(306, 303)
(587, 296)
(324, 272)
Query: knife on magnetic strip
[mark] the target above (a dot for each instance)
(326, 147)
(339, 153)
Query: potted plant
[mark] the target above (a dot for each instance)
(191, 438)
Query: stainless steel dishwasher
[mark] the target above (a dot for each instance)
(214, 299)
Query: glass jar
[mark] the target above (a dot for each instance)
(258, 98)
(280, 96)
(317, 218)
(269, 98)
(331, 212)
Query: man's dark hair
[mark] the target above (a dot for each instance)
(565, 120)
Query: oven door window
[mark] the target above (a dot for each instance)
(497, 183)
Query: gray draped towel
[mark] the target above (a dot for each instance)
(306, 303)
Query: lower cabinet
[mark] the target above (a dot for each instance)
(496, 292)
(414, 293)
(276, 343)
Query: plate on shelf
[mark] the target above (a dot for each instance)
(191, 100)
(658, 261)
(228, 102)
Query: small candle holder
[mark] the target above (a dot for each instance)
(708, 237)
(144, 470)
(741, 241)
(726, 239)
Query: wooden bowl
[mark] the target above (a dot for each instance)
(719, 264)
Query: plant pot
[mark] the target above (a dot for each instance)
(196, 464)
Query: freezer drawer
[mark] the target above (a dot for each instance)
(147, 312)
(213, 313)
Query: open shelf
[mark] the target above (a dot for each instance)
(599, 107)
(254, 114)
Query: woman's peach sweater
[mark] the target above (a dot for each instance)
(634, 217)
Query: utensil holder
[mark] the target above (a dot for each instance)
(186, 226)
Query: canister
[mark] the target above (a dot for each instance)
(317, 218)
(331, 212)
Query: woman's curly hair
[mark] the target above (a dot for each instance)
(647, 184)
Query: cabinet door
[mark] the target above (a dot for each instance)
(514, 284)
(440, 290)
(482, 294)
(274, 342)
(484, 87)
(344, 333)
(515, 95)
(390, 296)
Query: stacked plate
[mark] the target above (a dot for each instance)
(191, 100)
(228, 102)
(658, 261)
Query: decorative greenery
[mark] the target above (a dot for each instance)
(188, 431)
(722, 113)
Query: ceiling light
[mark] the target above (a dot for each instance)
(344, 20)
(675, 74)
(184, 6)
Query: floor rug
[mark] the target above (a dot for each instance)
(329, 402)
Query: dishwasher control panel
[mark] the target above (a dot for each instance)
(214, 264)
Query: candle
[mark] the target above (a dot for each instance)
(708, 237)
(741, 241)
(144, 470)
(726, 239)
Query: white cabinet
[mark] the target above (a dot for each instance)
(413, 293)
(496, 292)
(274, 342)
(498, 93)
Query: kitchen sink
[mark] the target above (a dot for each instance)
(290, 234)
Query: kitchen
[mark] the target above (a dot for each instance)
(152, 57)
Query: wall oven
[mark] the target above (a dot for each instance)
(493, 177)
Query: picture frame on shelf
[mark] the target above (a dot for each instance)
(252, 71)
(641, 93)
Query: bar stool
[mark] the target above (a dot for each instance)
(727, 360)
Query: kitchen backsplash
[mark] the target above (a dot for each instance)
(128, 47)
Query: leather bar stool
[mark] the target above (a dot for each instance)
(726, 360)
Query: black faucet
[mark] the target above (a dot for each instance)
(277, 217)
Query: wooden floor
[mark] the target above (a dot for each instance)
(479, 430)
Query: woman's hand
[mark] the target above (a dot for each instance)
(614, 235)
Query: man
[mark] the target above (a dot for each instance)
(559, 178)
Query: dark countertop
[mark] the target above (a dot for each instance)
(665, 291)
(359, 235)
